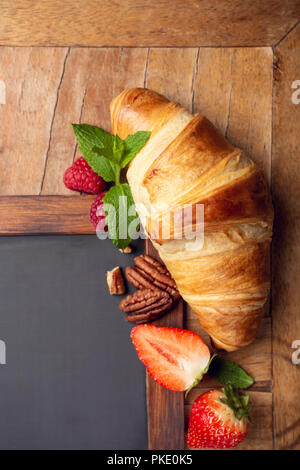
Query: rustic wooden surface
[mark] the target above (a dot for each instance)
(146, 23)
(286, 246)
(48, 88)
(233, 89)
(35, 215)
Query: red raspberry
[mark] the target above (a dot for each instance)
(80, 177)
(97, 214)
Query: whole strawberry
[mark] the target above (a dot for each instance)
(219, 419)
(97, 214)
(80, 177)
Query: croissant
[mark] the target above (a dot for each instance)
(225, 276)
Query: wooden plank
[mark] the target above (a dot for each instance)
(171, 72)
(84, 96)
(70, 99)
(165, 407)
(286, 248)
(260, 432)
(213, 74)
(31, 215)
(44, 96)
(146, 23)
(32, 78)
(233, 88)
(112, 71)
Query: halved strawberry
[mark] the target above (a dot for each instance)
(177, 359)
(219, 419)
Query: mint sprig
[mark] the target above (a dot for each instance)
(107, 155)
(120, 197)
(89, 137)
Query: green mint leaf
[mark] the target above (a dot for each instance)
(120, 215)
(106, 152)
(107, 155)
(114, 153)
(133, 144)
(119, 148)
(229, 373)
(89, 137)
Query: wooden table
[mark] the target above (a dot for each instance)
(235, 62)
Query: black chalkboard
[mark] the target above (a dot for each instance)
(72, 379)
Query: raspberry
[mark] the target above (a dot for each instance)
(80, 177)
(97, 214)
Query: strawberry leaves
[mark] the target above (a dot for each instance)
(238, 403)
(229, 373)
(107, 155)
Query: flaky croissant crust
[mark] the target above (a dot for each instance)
(187, 162)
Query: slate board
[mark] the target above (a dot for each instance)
(72, 378)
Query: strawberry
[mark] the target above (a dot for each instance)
(176, 359)
(97, 214)
(80, 177)
(219, 419)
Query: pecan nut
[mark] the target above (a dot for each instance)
(146, 305)
(115, 281)
(149, 273)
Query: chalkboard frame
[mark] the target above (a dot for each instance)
(69, 215)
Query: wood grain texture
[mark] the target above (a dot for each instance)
(233, 88)
(146, 23)
(260, 432)
(32, 78)
(171, 72)
(286, 247)
(112, 71)
(35, 215)
(70, 100)
(84, 96)
(165, 407)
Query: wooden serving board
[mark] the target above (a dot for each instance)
(245, 91)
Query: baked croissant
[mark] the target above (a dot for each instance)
(186, 162)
